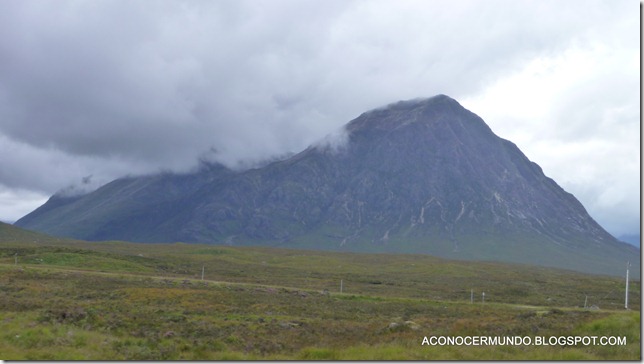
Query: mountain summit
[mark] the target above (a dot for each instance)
(419, 176)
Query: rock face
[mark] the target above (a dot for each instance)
(421, 176)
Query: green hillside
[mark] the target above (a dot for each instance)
(67, 300)
(12, 235)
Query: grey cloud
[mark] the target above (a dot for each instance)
(48, 170)
(18, 202)
(145, 87)
(171, 79)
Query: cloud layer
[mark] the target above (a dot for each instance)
(107, 88)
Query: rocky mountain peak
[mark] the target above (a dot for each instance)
(402, 113)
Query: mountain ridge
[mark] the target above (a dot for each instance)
(422, 176)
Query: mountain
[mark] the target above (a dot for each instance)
(420, 176)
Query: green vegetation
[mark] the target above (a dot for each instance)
(67, 300)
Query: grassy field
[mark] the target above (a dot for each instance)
(66, 300)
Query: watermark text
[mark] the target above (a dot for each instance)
(524, 340)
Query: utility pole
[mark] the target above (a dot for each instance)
(483, 295)
(471, 295)
(203, 267)
(626, 296)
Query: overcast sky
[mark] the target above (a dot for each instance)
(109, 88)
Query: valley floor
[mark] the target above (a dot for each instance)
(107, 302)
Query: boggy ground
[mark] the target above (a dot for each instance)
(104, 301)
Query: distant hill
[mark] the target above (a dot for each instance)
(633, 239)
(421, 176)
(12, 235)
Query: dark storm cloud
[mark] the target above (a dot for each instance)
(157, 83)
(160, 81)
(107, 88)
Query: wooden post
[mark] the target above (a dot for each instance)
(628, 264)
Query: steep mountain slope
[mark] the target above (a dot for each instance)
(422, 176)
(129, 208)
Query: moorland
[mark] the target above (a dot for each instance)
(74, 300)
